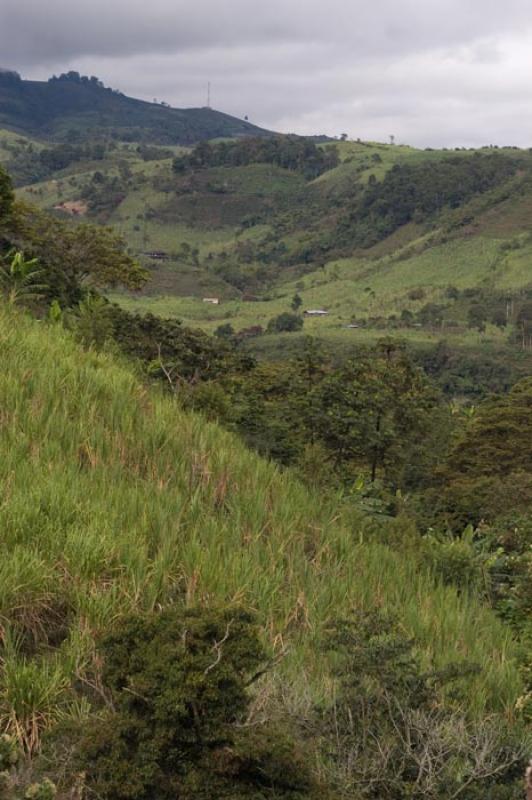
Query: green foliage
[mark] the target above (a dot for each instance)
(462, 560)
(394, 739)
(73, 256)
(290, 152)
(266, 409)
(471, 373)
(377, 414)
(19, 279)
(296, 303)
(489, 470)
(34, 693)
(29, 165)
(417, 191)
(117, 501)
(91, 321)
(173, 350)
(509, 539)
(179, 686)
(6, 195)
(285, 323)
(75, 107)
(225, 331)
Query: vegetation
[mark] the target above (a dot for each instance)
(289, 152)
(6, 195)
(489, 467)
(415, 192)
(18, 278)
(380, 532)
(71, 257)
(72, 107)
(180, 685)
(97, 538)
(285, 323)
(391, 738)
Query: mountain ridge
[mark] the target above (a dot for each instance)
(72, 107)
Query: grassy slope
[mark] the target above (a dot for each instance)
(114, 499)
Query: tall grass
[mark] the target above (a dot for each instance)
(113, 499)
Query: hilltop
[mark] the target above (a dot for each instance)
(73, 108)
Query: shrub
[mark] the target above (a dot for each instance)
(179, 686)
(394, 739)
(285, 323)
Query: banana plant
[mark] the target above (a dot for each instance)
(19, 278)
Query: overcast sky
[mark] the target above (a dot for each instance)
(431, 72)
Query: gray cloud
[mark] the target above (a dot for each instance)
(434, 72)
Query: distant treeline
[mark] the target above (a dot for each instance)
(75, 77)
(62, 155)
(290, 152)
(30, 165)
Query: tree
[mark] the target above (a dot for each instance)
(6, 195)
(375, 414)
(394, 738)
(267, 405)
(285, 323)
(167, 347)
(489, 469)
(225, 331)
(477, 316)
(73, 257)
(92, 321)
(179, 683)
(296, 303)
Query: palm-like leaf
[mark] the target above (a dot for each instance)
(19, 278)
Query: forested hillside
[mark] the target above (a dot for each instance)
(72, 107)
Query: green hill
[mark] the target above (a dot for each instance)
(421, 244)
(116, 500)
(176, 612)
(76, 108)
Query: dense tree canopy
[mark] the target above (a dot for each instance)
(291, 152)
(489, 470)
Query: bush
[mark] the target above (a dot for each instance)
(179, 686)
(393, 737)
(285, 323)
(225, 331)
